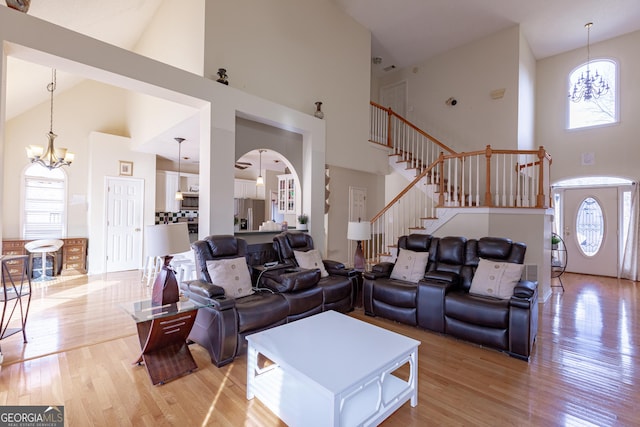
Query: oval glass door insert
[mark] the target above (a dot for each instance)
(589, 226)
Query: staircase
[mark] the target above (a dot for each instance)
(443, 182)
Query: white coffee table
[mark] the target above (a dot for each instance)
(331, 369)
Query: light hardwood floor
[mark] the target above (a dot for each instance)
(584, 370)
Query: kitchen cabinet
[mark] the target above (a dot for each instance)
(247, 189)
(286, 194)
(166, 186)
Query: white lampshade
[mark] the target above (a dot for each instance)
(359, 230)
(167, 239)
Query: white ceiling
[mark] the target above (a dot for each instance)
(404, 32)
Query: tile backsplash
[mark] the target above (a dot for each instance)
(167, 217)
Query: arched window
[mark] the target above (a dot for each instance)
(45, 203)
(593, 94)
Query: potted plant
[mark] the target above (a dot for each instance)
(555, 239)
(303, 219)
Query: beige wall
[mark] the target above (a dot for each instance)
(76, 115)
(339, 248)
(295, 53)
(615, 147)
(468, 73)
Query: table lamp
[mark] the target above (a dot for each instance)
(164, 240)
(359, 231)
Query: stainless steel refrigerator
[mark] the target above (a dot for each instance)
(250, 210)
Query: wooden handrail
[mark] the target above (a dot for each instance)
(390, 112)
(405, 190)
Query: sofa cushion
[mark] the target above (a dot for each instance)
(410, 265)
(232, 275)
(311, 259)
(496, 279)
(477, 310)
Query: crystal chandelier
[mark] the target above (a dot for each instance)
(589, 86)
(50, 157)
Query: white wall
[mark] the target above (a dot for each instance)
(468, 73)
(616, 147)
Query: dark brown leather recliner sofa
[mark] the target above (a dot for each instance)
(441, 301)
(221, 327)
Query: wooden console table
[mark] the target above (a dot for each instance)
(163, 332)
(73, 253)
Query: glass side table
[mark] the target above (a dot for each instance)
(163, 332)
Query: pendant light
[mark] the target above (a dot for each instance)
(260, 179)
(51, 157)
(589, 87)
(179, 193)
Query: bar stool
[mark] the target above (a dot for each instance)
(153, 266)
(45, 247)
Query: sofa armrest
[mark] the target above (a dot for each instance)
(291, 280)
(202, 288)
(523, 319)
(525, 289)
(382, 269)
(430, 302)
(336, 268)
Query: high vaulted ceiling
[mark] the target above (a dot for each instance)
(404, 32)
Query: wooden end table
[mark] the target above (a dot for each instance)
(163, 332)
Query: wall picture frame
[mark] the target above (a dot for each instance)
(126, 168)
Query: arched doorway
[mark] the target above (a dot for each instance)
(276, 197)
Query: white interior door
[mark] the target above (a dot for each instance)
(125, 198)
(590, 218)
(395, 97)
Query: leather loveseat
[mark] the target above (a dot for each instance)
(221, 327)
(441, 300)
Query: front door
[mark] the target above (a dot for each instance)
(125, 198)
(590, 218)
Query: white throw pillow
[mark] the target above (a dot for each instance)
(410, 265)
(231, 274)
(496, 279)
(311, 259)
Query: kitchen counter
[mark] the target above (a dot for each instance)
(255, 236)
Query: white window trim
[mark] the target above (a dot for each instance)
(616, 120)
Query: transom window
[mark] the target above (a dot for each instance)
(593, 95)
(45, 201)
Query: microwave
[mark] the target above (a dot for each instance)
(189, 202)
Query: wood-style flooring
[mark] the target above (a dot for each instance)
(585, 368)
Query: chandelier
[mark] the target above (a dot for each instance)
(589, 86)
(50, 157)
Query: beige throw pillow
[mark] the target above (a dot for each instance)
(231, 274)
(311, 259)
(410, 265)
(496, 279)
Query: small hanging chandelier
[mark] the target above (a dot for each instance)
(50, 157)
(260, 179)
(589, 87)
(179, 193)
